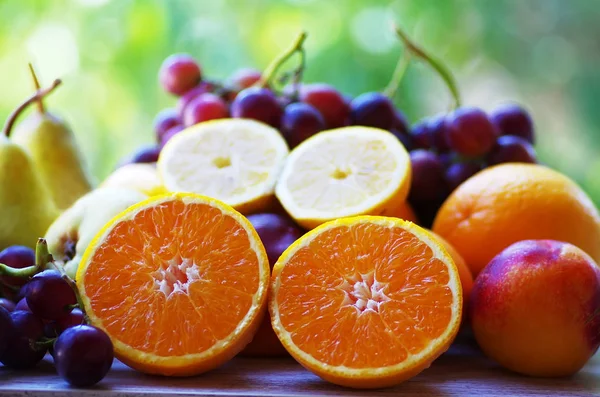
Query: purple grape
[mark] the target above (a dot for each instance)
(511, 149)
(328, 101)
(427, 176)
(421, 135)
(426, 210)
(49, 296)
(17, 257)
(460, 172)
(259, 104)
(470, 132)
(401, 123)
(276, 231)
(6, 329)
(20, 352)
(83, 355)
(202, 88)
(244, 78)
(404, 138)
(203, 108)
(179, 73)
(373, 109)
(22, 305)
(170, 134)
(146, 154)
(299, 122)
(514, 120)
(74, 318)
(164, 120)
(7, 304)
(437, 133)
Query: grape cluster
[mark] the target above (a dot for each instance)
(449, 148)
(46, 318)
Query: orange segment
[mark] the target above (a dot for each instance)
(179, 283)
(366, 301)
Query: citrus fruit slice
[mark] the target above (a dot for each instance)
(344, 172)
(142, 177)
(366, 301)
(179, 282)
(233, 160)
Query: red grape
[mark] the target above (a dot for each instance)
(164, 120)
(514, 120)
(373, 109)
(437, 133)
(49, 295)
(205, 107)
(244, 78)
(328, 101)
(83, 355)
(470, 132)
(6, 329)
(511, 149)
(19, 353)
(259, 104)
(7, 304)
(179, 73)
(17, 257)
(421, 135)
(460, 172)
(276, 231)
(427, 176)
(146, 154)
(170, 134)
(299, 122)
(202, 88)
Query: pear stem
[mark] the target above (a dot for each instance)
(436, 64)
(17, 112)
(36, 84)
(274, 66)
(401, 67)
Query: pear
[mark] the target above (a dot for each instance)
(55, 153)
(74, 229)
(26, 206)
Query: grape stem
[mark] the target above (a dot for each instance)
(44, 343)
(41, 258)
(436, 64)
(36, 84)
(274, 66)
(399, 72)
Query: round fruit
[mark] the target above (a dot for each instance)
(171, 132)
(344, 172)
(179, 73)
(437, 133)
(373, 109)
(20, 353)
(512, 202)
(459, 172)
(514, 120)
(83, 355)
(300, 121)
(428, 176)
(22, 305)
(7, 304)
(328, 101)
(49, 296)
(401, 123)
(203, 108)
(142, 177)
(74, 318)
(164, 120)
(421, 135)
(202, 88)
(511, 149)
(259, 104)
(389, 300)
(17, 257)
(535, 308)
(470, 132)
(244, 78)
(146, 154)
(6, 329)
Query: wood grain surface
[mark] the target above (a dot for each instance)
(462, 371)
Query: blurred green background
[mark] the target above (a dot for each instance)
(544, 54)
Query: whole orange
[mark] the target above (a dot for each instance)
(512, 202)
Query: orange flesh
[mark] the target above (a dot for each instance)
(366, 296)
(173, 280)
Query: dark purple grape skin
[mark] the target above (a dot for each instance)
(20, 354)
(276, 231)
(459, 172)
(299, 122)
(259, 104)
(17, 257)
(49, 295)
(401, 123)
(6, 329)
(421, 135)
(470, 132)
(511, 149)
(404, 138)
(83, 355)
(427, 176)
(146, 154)
(437, 133)
(22, 305)
(513, 120)
(170, 134)
(7, 304)
(74, 318)
(373, 109)
(202, 88)
(164, 120)
(203, 108)
(328, 101)
(179, 73)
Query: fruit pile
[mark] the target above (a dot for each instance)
(275, 217)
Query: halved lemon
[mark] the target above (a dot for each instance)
(236, 161)
(344, 172)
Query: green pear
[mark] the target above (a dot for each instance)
(55, 153)
(74, 229)
(26, 207)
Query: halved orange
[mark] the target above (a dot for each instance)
(366, 301)
(179, 282)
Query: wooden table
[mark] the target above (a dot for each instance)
(461, 371)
